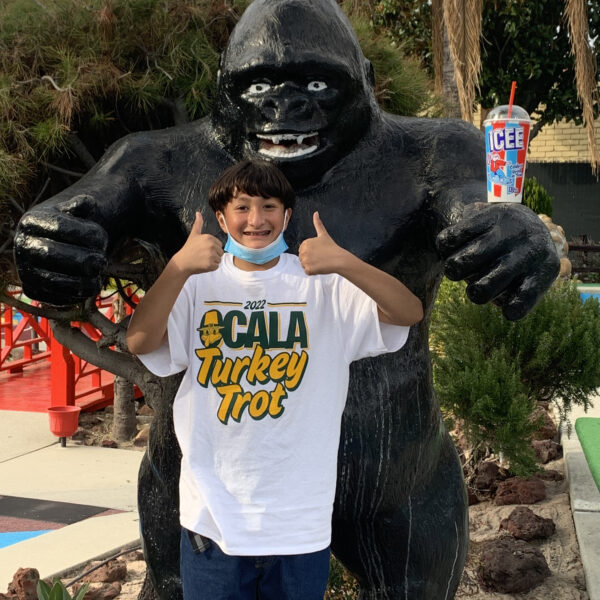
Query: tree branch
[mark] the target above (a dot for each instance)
(114, 361)
(113, 334)
(81, 150)
(61, 170)
(75, 313)
(535, 130)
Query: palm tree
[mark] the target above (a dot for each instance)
(461, 19)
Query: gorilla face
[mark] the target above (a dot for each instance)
(294, 87)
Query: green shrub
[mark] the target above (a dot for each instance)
(490, 372)
(58, 591)
(536, 197)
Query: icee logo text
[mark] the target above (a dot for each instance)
(508, 138)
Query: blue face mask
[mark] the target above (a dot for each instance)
(257, 256)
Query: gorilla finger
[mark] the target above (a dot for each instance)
(493, 284)
(475, 256)
(63, 228)
(456, 236)
(520, 301)
(81, 206)
(64, 258)
(59, 289)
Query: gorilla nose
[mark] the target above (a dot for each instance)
(283, 108)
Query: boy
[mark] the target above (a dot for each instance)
(258, 413)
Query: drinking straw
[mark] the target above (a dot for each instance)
(513, 87)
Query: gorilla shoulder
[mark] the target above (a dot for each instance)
(144, 151)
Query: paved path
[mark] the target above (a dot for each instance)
(585, 501)
(82, 498)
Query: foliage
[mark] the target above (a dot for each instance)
(490, 372)
(401, 85)
(536, 197)
(523, 40)
(58, 591)
(528, 41)
(341, 585)
(406, 22)
(77, 75)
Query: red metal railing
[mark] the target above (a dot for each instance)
(74, 381)
(27, 335)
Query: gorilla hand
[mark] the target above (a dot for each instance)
(504, 252)
(61, 253)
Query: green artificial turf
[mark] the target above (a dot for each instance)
(588, 430)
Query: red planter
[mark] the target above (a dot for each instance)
(64, 420)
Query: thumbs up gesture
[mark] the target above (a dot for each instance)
(320, 255)
(201, 252)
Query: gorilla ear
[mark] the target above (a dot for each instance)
(370, 71)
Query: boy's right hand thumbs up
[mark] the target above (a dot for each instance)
(201, 252)
(198, 224)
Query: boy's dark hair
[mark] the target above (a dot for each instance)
(253, 177)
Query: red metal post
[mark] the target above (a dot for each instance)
(62, 375)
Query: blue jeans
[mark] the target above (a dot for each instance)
(207, 573)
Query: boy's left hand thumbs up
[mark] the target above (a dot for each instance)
(319, 255)
(319, 227)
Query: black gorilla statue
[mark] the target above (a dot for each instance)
(403, 194)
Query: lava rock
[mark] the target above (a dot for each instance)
(487, 477)
(548, 429)
(23, 585)
(109, 444)
(106, 591)
(145, 411)
(520, 490)
(472, 496)
(524, 524)
(550, 475)
(511, 566)
(546, 450)
(115, 570)
(141, 439)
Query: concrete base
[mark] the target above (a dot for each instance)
(21, 433)
(585, 501)
(79, 474)
(587, 525)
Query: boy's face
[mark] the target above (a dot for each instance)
(253, 221)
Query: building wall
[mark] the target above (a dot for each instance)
(562, 142)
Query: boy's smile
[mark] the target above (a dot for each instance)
(253, 221)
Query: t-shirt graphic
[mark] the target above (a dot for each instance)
(273, 361)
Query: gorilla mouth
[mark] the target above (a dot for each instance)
(287, 145)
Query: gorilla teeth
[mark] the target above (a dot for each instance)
(292, 146)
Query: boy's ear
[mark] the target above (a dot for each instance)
(289, 216)
(221, 221)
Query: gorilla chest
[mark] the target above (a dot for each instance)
(377, 214)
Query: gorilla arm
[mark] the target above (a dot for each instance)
(396, 304)
(61, 246)
(503, 250)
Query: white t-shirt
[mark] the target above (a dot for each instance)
(258, 412)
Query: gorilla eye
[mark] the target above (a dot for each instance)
(259, 88)
(317, 86)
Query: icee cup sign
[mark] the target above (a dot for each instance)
(506, 140)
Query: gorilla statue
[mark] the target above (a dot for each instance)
(404, 194)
